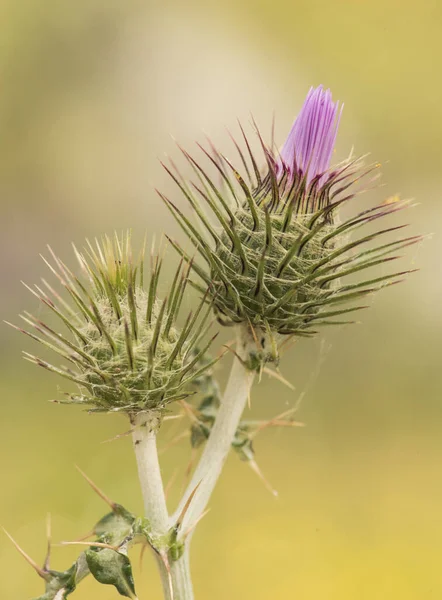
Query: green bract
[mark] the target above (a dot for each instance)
(124, 344)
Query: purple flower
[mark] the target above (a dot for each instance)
(309, 145)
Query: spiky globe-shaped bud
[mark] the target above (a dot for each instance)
(276, 261)
(127, 351)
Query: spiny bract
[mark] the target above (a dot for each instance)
(128, 353)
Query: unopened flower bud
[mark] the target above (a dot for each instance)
(127, 352)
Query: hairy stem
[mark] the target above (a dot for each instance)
(145, 446)
(219, 443)
(176, 578)
(177, 584)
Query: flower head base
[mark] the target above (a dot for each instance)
(128, 353)
(275, 262)
(309, 145)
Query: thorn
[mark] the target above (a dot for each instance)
(279, 420)
(257, 470)
(255, 337)
(20, 329)
(189, 410)
(249, 399)
(97, 544)
(46, 564)
(391, 200)
(97, 489)
(84, 537)
(142, 551)
(192, 527)
(230, 343)
(221, 353)
(28, 559)
(272, 138)
(165, 559)
(241, 360)
(279, 377)
(261, 369)
(118, 436)
(186, 506)
(277, 423)
(287, 413)
(289, 342)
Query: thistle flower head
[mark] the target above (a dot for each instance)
(127, 352)
(277, 260)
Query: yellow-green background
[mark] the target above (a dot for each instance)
(90, 94)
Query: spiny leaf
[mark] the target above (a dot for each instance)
(61, 584)
(112, 568)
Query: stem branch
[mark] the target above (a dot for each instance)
(219, 443)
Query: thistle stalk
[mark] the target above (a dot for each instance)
(179, 581)
(175, 578)
(219, 443)
(144, 439)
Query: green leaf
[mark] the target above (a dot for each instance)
(112, 568)
(60, 584)
(114, 527)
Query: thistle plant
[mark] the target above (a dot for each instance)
(271, 256)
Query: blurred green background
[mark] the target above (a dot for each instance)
(91, 94)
